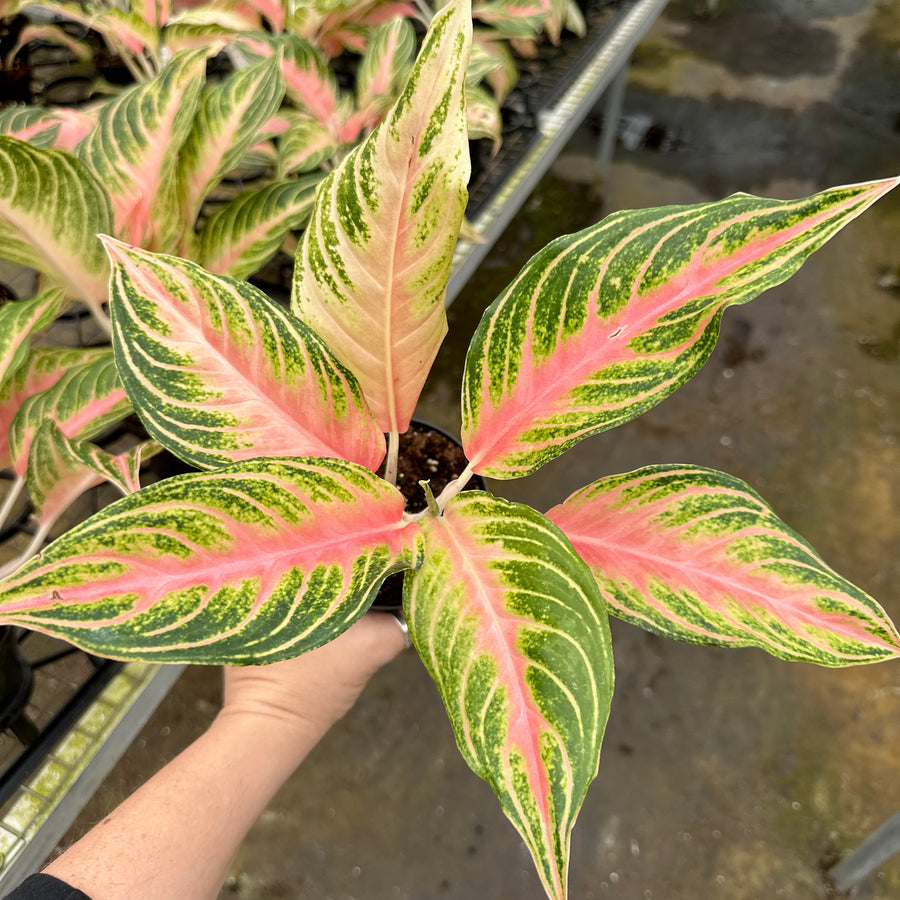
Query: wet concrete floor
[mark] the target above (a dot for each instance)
(725, 773)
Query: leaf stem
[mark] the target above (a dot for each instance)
(455, 486)
(426, 14)
(10, 500)
(393, 453)
(33, 546)
(100, 317)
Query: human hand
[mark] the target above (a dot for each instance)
(314, 690)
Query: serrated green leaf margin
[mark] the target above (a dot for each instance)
(51, 210)
(694, 554)
(249, 564)
(513, 630)
(602, 325)
(220, 373)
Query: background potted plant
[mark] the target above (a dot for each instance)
(285, 537)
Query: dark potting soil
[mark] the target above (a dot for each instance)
(426, 454)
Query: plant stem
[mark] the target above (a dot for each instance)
(393, 453)
(425, 12)
(455, 486)
(100, 317)
(33, 546)
(10, 500)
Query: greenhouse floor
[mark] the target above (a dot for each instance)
(725, 773)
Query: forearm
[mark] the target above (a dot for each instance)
(176, 836)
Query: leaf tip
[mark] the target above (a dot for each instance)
(115, 249)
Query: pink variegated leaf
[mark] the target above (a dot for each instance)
(51, 210)
(225, 127)
(602, 325)
(19, 321)
(513, 18)
(372, 268)
(349, 25)
(304, 146)
(697, 555)
(59, 128)
(483, 117)
(123, 28)
(42, 369)
(134, 149)
(242, 236)
(83, 402)
(220, 373)
(35, 124)
(308, 80)
(181, 35)
(61, 469)
(155, 13)
(272, 10)
(52, 34)
(493, 62)
(120, 27)
(513, 630)
(252, 563)
(385, 67)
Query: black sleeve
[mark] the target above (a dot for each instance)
(45, 887)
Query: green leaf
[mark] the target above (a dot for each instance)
(514, 632)
(372, 267)
(134, 150)
(51, 210)
(242, 236)
(226, 126)
(263, 561)
(20, 320)
(305, 145)
(42, 369)
(61, 469)
(695, 554)
(83, 402)
(220, 373)
(602, 325)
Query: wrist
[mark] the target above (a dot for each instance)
(278, 736)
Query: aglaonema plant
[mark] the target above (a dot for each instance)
(285, 536)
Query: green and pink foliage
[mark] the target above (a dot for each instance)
(372, 267)
(263, 560)
(602, 325)
(60, 128)
(42, 369)
(219, 373)
(283, 542)
(511, 626)
(697, 555)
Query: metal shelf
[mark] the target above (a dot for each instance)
(607, 70)
(47, 802)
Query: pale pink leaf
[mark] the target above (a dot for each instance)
(372, 268)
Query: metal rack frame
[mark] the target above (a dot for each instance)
(606, 72)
